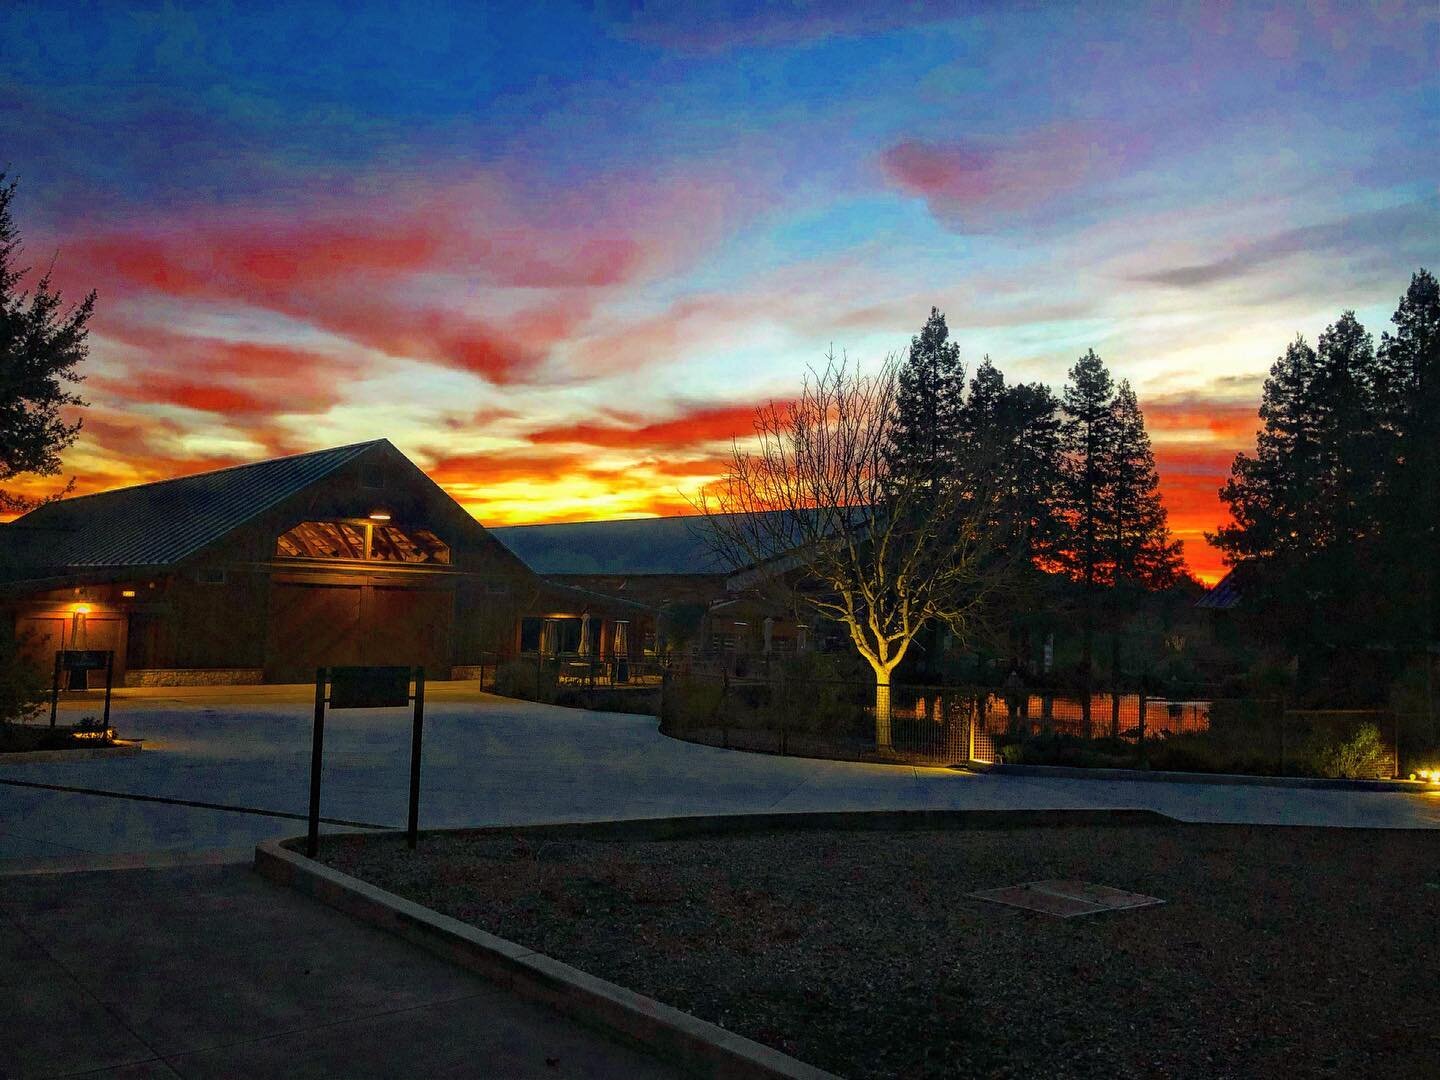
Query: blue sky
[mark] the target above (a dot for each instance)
(558, 253)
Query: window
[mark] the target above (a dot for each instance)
(391, 544)
(364, 542)
(210, 575)
(323, 540)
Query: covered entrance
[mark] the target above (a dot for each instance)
(328, 623)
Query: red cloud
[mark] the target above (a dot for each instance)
(226, 377)
(1009, 173)
(698, 425)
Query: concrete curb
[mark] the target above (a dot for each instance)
(121, 748)
(1227, 779)
(696, 1045)
(700, 1047)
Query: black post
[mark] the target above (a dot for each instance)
(109, 682)
(414, 820)
(55, 691)
(312, 840)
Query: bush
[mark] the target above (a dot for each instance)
(1059, 749)
(23, 687)
(1359, 755)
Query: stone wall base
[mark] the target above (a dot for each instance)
(465, 672)
(195, 677)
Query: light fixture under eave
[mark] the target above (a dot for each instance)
(128, 594)
(80, 609)
(379, 515)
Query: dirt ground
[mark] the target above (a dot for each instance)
(1278, 951)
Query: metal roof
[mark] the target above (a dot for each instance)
(668, 545)
(1223, 595)
(164, 522)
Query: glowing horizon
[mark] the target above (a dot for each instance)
(558, 257)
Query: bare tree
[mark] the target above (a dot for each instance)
(813, 506)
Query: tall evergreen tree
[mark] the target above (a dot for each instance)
(1141, 551)
(41, 348)
(1013, 433)
(1273, 494)
(1087, 436)
(1307, 504)
(1031, 419)
(1408, 388)
(1087, 432)
(930, 398)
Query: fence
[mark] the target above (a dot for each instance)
(947, 725)
(615, 684)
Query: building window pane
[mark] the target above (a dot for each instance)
(322, 540)
(346, 540)
(393, 544)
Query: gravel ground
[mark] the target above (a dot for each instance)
(1279, 952)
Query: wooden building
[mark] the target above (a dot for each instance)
(263, 572)
(707, 609)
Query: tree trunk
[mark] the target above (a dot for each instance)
(882, 712)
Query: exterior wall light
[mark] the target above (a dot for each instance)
(128, 594)
(379, 515)
(80, 609)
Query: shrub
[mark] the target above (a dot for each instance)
(1356, 756)
(23, 687)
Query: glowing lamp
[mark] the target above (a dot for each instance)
(80, 609)
(379, 515)
(128, 594)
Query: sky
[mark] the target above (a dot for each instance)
(559, 254)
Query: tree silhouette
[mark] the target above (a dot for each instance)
(1087, 437)
(929, 401)
(1140, 550)
(1335, 512)
(41, 348)
(1408, 388)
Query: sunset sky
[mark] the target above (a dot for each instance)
(559, 255)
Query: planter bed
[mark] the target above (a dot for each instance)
(1278, 951)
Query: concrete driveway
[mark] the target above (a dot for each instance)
(490, 760)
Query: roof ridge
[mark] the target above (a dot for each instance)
(71, 501)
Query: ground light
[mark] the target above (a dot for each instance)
(1430, 775)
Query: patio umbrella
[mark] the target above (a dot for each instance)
(547, 638)
(585, 634)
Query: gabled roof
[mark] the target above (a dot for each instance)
(1223, 595)
(668, 545)
(165, 522)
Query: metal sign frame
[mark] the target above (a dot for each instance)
(366, 688)
(83, 660)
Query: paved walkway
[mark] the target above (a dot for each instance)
(495, 761)
(212, 971)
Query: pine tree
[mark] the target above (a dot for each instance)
(930, 399)
(1408, 388)
(1141, 550)
(40, 348)
(1086, 437)
(1273, 494)
(1307, 505)
(1031, 417)
(1087, 434)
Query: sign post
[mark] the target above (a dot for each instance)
(74, 661)
(366, 688)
